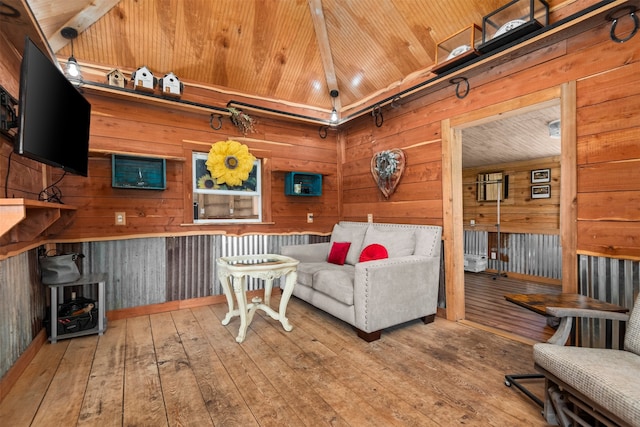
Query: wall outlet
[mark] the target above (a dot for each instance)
(493, 255)
(309, 217)
(369, 217)
(121, 218)
(472, 222)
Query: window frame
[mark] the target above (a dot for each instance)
(258, 163)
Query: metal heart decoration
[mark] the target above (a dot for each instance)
(387, 168)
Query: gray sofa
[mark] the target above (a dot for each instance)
(377, 294)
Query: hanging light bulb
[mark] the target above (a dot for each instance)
(72, 69)
(334, 116)
(334, 113)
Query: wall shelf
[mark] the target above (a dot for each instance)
(303, 184)
(24, 219)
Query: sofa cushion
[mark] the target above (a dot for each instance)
(373, 252)
(355, 235)
(606, 376)
(338, 252)
(397, 242)
(338, 284)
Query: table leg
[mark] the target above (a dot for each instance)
(241, 297)
(268, 286)
(290, 281)
(225, 281)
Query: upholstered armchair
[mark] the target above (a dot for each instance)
(590, 385)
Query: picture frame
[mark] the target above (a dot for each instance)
(540, 175)
(540, 191)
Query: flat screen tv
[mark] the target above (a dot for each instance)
(53, 117)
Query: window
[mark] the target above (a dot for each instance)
(491, 184)
(214, 202)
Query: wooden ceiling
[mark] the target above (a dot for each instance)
(291, 51)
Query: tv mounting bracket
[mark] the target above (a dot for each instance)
(8, 117)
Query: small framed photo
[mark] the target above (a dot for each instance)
(540, 191)
(540, 175)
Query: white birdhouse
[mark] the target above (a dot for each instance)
(143, 79)
(170, 85)
(116, 78)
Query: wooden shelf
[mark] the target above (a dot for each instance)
(24, 219)
(116, 92)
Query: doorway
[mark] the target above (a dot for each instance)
(452, 148)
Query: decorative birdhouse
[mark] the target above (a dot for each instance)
(170, 85)
(116, 78)
(143, 79)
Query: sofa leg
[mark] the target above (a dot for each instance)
(369, 336)
(429, 319)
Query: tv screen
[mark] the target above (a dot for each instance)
(53, 116)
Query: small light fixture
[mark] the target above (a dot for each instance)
(72, 69)
(554, 129)
(334, 114)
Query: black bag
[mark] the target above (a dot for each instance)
(77, 315)
(58, 269)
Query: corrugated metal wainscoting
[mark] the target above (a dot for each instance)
(157, 270)
(530, 254)
(612, 280)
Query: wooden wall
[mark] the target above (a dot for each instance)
(126, 125)
(608, 159)
(519, 213)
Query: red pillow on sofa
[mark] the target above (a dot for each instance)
(338, 253)
(373, 252)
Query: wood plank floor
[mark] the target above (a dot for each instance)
(485, 304)
(185, 368)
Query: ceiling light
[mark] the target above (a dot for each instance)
(72, 69)
(334, 112)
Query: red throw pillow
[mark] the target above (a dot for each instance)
(338, 253)
(373, 252)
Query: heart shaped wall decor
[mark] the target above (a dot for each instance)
(387, 168)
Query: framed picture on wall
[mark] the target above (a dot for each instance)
(540, 191)
(540, 175)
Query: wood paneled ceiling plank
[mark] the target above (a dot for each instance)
(93, 11)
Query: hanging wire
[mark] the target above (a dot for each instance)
(52, 193)
(616, 15)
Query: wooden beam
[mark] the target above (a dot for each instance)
(84, 19)
(324, 47)
(569, 188)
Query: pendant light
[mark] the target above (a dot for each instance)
(72, 69)
(334, 114)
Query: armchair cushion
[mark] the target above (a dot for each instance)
(608, 377)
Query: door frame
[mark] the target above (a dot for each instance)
(453, 234)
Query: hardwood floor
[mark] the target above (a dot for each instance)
(485, 305)
(184, 368)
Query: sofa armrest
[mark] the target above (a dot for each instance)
(313, 252)
(395, 290)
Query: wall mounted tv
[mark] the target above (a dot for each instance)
(53, 117)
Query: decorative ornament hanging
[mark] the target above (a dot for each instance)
(242, 121)
(387, 168)
(230, 162)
